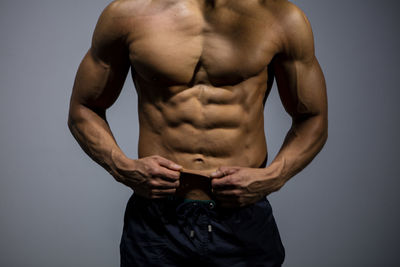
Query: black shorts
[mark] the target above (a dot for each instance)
(174, 232)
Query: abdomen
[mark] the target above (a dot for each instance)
(204, 127)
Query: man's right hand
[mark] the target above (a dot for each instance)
(150, 177)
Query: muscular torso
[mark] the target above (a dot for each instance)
(201, 72)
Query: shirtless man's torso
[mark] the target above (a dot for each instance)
(202, 70)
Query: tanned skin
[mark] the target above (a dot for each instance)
(202, 70)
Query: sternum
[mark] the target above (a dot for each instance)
(200, 75)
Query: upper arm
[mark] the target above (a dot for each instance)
(300, 80)
(104, 68)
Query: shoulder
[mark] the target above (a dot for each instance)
(295, 30)
(117, 14)
(114, 25)
(125, 8)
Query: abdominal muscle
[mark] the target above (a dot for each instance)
(203, 127)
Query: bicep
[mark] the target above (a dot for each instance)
(98, 84)
(301, 87)
(104, 68)
(299, 77)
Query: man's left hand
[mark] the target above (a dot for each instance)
(241, 186)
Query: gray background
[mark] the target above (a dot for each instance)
(58, 208)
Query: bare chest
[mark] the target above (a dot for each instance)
(185, 45)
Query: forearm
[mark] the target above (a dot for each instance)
(303, 142)
(94, 135)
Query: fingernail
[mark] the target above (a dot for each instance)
(176, 166)
(214, 174)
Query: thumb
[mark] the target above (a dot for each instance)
(169, 164)
(223, 171)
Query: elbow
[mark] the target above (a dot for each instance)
(320, 121)
(323, 131)
(73, 115)
(80, 114)
(324, 136)
(317, 127)
(71, 121)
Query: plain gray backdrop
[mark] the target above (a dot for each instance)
(58, 208)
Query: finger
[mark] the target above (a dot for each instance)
(168, 175)
(168, 164)
(223, 183)
(160, 183)
(224, 171)
(160, 171)
(162, 192)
